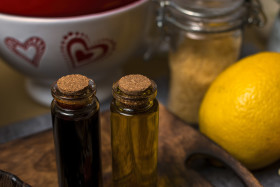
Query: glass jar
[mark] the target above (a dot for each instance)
(205, 38)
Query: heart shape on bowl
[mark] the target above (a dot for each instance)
(78, 50)
(31, 50)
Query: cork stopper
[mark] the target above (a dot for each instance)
(71, 84)
(134, 84)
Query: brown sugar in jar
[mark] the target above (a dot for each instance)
(194, 66)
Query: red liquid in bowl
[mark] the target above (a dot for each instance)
(58, 8)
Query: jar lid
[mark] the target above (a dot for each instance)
(208, 8)
(210, 15)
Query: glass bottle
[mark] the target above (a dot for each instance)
(205, 38)
(76, 130)
(134, 131)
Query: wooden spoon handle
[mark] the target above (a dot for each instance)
(206, 147)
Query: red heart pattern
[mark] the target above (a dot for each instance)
(79, 52)
(31, 50)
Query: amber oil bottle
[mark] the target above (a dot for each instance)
(76, 130)
(134, 132)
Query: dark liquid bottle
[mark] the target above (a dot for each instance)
(75, 117)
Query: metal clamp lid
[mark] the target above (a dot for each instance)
(256, 14)
(253, 14)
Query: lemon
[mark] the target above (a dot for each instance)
(241, 110)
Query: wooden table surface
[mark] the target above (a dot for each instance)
(32, 159)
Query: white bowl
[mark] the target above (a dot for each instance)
(96, 45)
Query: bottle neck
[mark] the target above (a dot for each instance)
(136, 108)
(76, 100)
(131, 103)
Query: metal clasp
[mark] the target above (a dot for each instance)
(256, 14)
(160, 14)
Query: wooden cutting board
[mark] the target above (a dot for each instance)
(32, 159)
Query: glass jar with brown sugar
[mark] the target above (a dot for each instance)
(205, 38)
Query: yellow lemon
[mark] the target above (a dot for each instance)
(241, 110)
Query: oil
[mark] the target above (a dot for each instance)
(134, 132)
